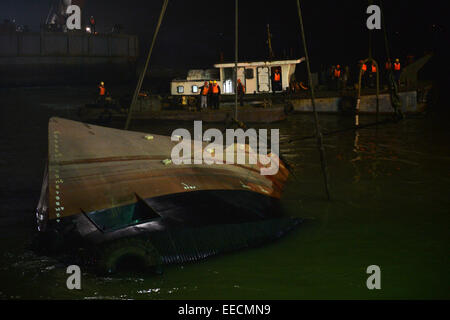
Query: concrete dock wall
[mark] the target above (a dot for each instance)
(65, 58)
(367, 105)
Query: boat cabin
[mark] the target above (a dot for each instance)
(257, 77)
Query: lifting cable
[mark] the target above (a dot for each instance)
(316, 118)
(393, 89)
(144, 71)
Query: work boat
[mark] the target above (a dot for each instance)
(112, 195)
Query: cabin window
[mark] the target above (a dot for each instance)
(122, 216)
(249, 73)
(180, 89)
(194, 89)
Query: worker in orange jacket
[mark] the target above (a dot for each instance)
(215, 95)
(337, 77)
(101, 93)
(277, 80)
(372, 75)
(397, 71)
(363, 68)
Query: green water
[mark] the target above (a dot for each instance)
(390, 207)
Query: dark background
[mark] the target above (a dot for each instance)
(195, 32)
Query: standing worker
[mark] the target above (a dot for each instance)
(240, 92)
(92, 22)
(277, 80)
(337, 77)
(397, 71)
(101, 94)
(215, 95)
(372, 75)
(204, 92)
(210, 98)
(363, 68)
(388, 65)
(387, 69)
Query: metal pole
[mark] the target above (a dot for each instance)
(144, 71)
(316, 118)
(236, 62)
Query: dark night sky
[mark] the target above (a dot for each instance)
(194, 32)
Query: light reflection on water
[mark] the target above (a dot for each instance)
(389, 207)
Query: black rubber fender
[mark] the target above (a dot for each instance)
(109, 255)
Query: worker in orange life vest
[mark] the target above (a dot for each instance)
(363, 67)
(372, 75)
(337, 77)
(215, 95)
(397, 71)
(204, 92)
(277, 80)
(101, 93)
(388, 65)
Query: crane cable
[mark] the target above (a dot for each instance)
(393, 89)
(316, 118)
(144, 71)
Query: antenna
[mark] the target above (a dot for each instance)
(269, 42)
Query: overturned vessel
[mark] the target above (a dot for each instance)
(113, 194)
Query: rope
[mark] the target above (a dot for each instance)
(144, 71)
(236, 62)
(393, 89)
(316, 118)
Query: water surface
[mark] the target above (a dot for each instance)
(390, 207)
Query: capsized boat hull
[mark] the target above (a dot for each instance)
(112, 193)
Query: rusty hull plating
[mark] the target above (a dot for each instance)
(104, 185)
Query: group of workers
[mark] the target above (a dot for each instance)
(210, 95)
(340, 76)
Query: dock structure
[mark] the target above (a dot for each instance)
(54, 58)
